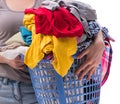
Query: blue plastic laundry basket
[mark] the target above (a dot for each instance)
(51, 88)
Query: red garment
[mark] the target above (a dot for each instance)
(106, 61)
(59, 22)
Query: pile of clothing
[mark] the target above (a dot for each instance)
(56, 26)
(54, 30)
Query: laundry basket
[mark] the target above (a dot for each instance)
(51, 88)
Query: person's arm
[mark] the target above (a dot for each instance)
(94, 55)
(3, 59)
(16, 63)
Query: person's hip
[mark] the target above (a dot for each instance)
(15, 92)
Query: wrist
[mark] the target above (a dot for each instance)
(4, 60)
(99, 36)
(99, 39)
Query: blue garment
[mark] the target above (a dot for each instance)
(105, 32)
(13, 92)
(26, 35)
(94, 28)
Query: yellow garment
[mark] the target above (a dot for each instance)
(62, 48)
(29, 22)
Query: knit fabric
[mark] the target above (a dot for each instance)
(62, 48)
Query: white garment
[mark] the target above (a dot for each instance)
(13, 53)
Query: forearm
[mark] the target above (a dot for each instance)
(3, 60)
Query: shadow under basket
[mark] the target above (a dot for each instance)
(51, 88)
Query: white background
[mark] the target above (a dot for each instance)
(108, 12)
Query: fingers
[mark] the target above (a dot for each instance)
(82, 54)
(20, 67)
(84, 72)
(18, 57)
(18, 63)
(83, 66)
(88, 70)
(91, 72)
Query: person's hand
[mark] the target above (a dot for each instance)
(94, 55)
(16, 63)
